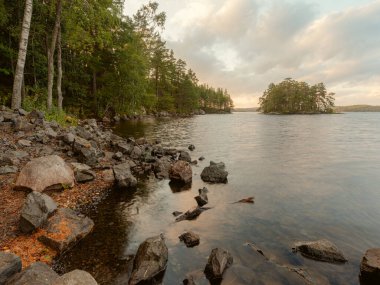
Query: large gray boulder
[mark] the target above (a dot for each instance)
(322, 250)
(10, 264)
(36, 210)
(218, 261)
(123, 176)
(181, 172)
(150, 261)
(43, 173)
(75, 277)
(36, 274)
(370, 267)
(215, 173)
(65, 229)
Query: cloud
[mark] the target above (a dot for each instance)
(243, 45)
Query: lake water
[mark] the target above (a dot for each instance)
(312, 177)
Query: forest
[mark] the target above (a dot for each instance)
(87, 58)
(293, 97)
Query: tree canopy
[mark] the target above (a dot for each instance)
(110, 63)
(293, 97)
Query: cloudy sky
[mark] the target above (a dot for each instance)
(243, 45)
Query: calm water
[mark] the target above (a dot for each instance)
(312, 177)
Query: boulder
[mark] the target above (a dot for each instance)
(123, 176)
(8, 169)
(321, 250)
(65, 229)
(36, 274)
(36, 210)
(202, 198)
(214, 173)
(181, 171)
(88, 155)
(190, 239)
(10, 264)
(150, 261)
(83, 133)
(68, 138)
(218, 261)
(84, 176)
(75, 277)
(162, 168)
(47, 172)
(124, 147)
(370, 267)
(185, 156)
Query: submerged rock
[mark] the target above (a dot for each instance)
(36, 274)
(47, 172)
(181, 171)
(218, 261)
(214, 173)
(36, 210)
(150, 262)
(202, 198)
(322, 250)
(190, 239)
(75, 277)
(191, 214)
(370, 267)
(65, 229)
(10, 264)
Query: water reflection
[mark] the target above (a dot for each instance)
(312, 177)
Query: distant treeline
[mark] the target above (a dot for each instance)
(254, 109)
(357, 108)
(98, 60)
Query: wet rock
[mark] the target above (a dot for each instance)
(36, 274)
(47, 172)
(150, 262)
(191, 214)
(75, 277)
(191, 147)
(10, 264)
(248, 200)
(202, 198)
(177, 213)
(123, 176)
(8, 169)
(24, 143)
(185, 156)
(36, 210)
(370, 267)
(181, 171)
(190, 239)
(322, 250)
(218, 261)
(214, 173)
(162, 168)
(65, 229)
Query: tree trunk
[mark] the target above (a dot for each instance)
(51, 52)
(59, 74)
(19, 73)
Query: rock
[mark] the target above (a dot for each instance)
(162, 168)
(191, 214)
(22, 112)
(24, 143)
(218, 261)
(83, 176)
(201, 199)
(108, 175)
(75, 277)
(214, 173)
(65, 229)
(370, 267)
(185, 156)
(21, 124)
(191, 147)
(177, 213)
(36, 210)
(36, 274)
(8, 160)
(248, 200)
(50, 133)
(124, 147)
(190, 239)
(83, 133)
(322, 250)
(136, 152)
(47, 172)
(8, 169)
(80, 166)
(150, 262)
(68, 138)
(88, 156)
(181, 171)
(141, 141)
(123, 176)
(36, 117)
(116, 119)
(91, 123)
(10, 264)
(118, 156)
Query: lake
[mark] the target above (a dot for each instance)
(312, 176)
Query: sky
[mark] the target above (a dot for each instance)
(244, 45)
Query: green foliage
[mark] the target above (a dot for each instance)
(293, 97)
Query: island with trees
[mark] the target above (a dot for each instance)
(294, 97)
